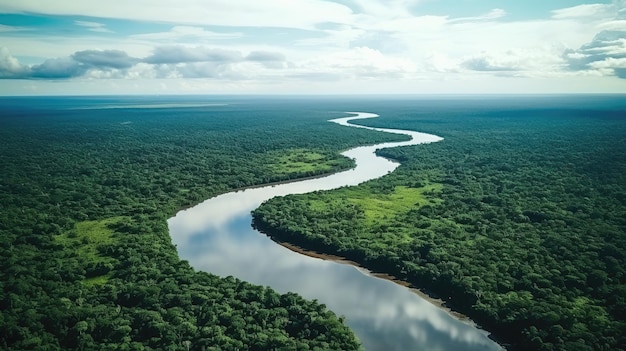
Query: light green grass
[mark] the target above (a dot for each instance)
(377, 207)
(299, 161)
(99, 280)
(85, 238)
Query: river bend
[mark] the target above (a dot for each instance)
(216, 236)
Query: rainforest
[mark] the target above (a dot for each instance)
(516, 219)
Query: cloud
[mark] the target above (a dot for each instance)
(265, 56)
(5, 28)
(355, 63)
(533, 62)
(208, 62)
(58, 68)
(581, 11)
(116, 59)
(614, 25)
(291, 42)
(202, 62)
(193, 70)
(210, 70)
(275, 13)
(187, 33)
(183, 54)
(332, 35)
(10, 67)
(604, 54)
(93, 26)
(620, 72)
(75, 65)
(488, 64)
(383, 8)
(165, 62)
(489, 16)
(383, 41)
(274, 60)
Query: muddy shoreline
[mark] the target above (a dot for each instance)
(435, 301)
(439, 303)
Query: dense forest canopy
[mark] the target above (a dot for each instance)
(86, 186)
(517, 218)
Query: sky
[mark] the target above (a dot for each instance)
(69, 47)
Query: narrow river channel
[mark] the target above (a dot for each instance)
(216, 236)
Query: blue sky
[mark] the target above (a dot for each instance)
(312, 46)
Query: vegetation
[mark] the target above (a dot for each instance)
(305, 162)
(87, 239)
(517, 218)
(87, 262)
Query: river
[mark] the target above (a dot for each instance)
(216, 236)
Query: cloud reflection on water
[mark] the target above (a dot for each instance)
(216, 236)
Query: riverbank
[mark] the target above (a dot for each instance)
(271, 184)
(439, 303)
(366, 269)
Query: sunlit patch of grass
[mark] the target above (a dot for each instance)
(303, 161)
(377, 207)
(98, 280)
(85, 239)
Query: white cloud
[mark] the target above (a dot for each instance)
(5, 28)
(104, 59)
(516, 62)
(413, 24)
(167, 62)
(440, 63)
(360, 62)
(93, 26)
(489, 16)
(610, 62)
(582, 11)
(10, 67)
(141, 71)
(57, 68)
(382, 41)
(275, 13)
(187, 33)
(490, 64)
(183, 54)
(613, 25)
(339, 37)
(384, 8)
(605, 54)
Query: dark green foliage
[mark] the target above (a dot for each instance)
(86, 259)
(529, 234)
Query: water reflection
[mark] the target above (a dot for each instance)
(216, 236)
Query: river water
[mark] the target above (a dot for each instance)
(216, 236)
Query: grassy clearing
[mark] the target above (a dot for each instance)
(98, 280)
(85, 239)
(377, 207)
(303, 161)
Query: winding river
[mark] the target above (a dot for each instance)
(216, 236)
